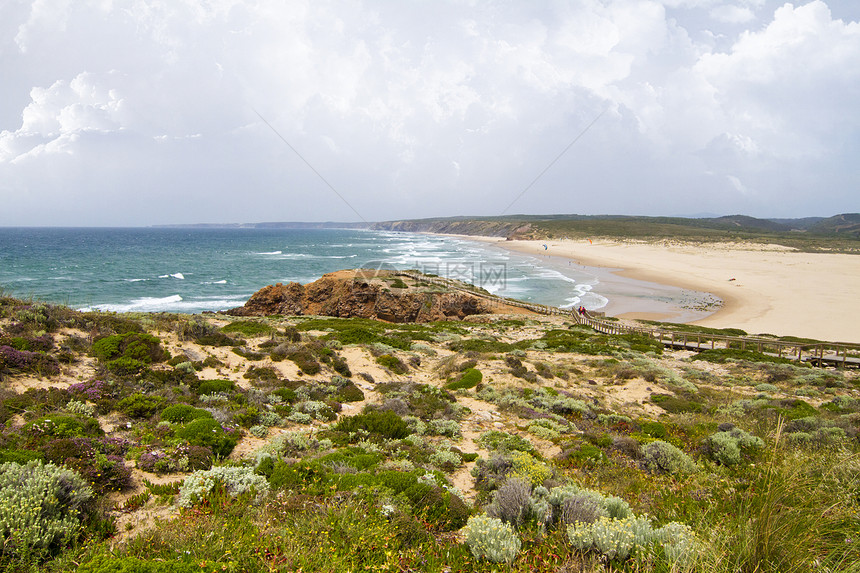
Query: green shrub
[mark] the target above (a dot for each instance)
(349, 392)
(654, 430)
(498, 440)
(247, 417)
(19, 456)
(208, 432)
(765, 387)
(470, 378)
(728, 447)
(585, 455)
(449, 428)
(392, 363)
(340, 366)
(126, 366)
(723, 355)
(618, 539)
(288, 395)
(215, 386)
(663, 457)
(304, 359)
(491, 539)
(247, 328)
(60, 426)
(40, 504)
(386, 424)
(676, 404)
(183, 413)
(794, 409)
(144, 348)
(235, 480)
(140, 405)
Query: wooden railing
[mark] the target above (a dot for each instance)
(816, 353)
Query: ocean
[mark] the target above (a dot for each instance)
(191, 270)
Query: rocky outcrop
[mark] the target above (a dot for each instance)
(351, 297)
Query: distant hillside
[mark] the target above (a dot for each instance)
(840, 225)
(811, 233)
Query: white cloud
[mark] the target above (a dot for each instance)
(447, 109)
(732, 14)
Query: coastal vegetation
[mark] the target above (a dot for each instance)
(840, 233)
(164, 442)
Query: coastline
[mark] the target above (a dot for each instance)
(765, 289)
(627, 295)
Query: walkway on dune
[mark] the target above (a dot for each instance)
(815, 353)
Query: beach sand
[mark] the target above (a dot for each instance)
(765, 289)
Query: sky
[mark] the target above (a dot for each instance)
(149, 112)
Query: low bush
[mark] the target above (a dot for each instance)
(26, 361)
(215, 386)
(183, 413)
(663, 457)
(182, 458)
(247, 328)
(497, 440)
(304, 359)
(470, 378)
(60, 426)
(392, 363)
(144, 348)
(207, 432)
(723, 355)
(491, 539)
(94, 460)
(529, 469)
(140, 405)
(618, 539)
(729, 447)
(512, 502)
(236, 481)
(40, 505)
(385, 423)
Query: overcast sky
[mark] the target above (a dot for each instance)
(140, 112)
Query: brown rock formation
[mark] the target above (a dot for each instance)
(347, 296)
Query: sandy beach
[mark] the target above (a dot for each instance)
(765, 289)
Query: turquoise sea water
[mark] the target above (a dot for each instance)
(195, 270)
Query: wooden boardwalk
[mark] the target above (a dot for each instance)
(822, 354)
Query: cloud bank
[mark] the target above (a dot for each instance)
(145, 112)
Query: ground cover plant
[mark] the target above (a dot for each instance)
(349, 444)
